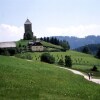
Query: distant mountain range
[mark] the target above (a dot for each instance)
(76, 42)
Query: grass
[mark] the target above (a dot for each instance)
(81, 61)
(22, 42)
(50, 47)
(25, 80)
(77, 57)
(46, 44)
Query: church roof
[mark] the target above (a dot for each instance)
(28, 22)
(35, 43)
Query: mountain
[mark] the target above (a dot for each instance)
(76, 42)
(92, 47)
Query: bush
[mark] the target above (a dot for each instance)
(61, 62)
(46, 57)
(8, 51)
(94, 68)
(68, 61)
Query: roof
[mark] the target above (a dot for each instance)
(27, 22)
(35, 43)
(7, 44)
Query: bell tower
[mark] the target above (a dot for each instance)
(28, 26)
(28, 35)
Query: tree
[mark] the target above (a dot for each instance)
(86, 50)
(46, 57)
(68, 61)
(65, 45)
(52, 40)
(28, 36)
(98, 54)
(48, 40)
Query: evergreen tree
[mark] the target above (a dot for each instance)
(98, 54)
(48, 40)
(65, 45)
(41, 38)
(28, 36)
(45, 39)
(86, 50)
(68, 61)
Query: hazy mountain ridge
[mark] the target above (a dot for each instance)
(76, 42)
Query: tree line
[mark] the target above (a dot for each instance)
(88, 51)
(55, 41)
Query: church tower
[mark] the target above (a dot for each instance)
(28, 35)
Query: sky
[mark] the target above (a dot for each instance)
(78, 18)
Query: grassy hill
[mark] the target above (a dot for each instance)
(25, 80)
(50, 47)
(81, 61)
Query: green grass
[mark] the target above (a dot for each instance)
(22, 42)
(77, 57)
(81, 61)
(50, 45)
(26, 80)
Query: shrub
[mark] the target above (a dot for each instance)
(61, 62)
(68, 61)
(94, 68)
(46, 57)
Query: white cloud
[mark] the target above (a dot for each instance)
(14, 33)
(10, 33)
(78, 31)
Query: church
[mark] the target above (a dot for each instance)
(33, 44)
(28, 35)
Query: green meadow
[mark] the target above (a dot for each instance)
(30, 80)
(81, 61)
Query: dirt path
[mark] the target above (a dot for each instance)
(85, 76)
(80, 73)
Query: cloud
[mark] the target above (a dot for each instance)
(10, 33)
(78, 31)
(14, 33)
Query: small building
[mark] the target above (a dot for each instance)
(7, 44)
(36, 46)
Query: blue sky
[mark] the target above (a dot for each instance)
(49, 18)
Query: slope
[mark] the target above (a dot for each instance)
(24, 80)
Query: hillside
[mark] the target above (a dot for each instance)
(81, 61)
(76, 42)
(45, 44)
(21, 79)
(92, 47)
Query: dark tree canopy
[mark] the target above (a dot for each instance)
(46, 57)
(65, 45)
(68, 61)
(86, 50)
(28, 36)
(98, 54)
